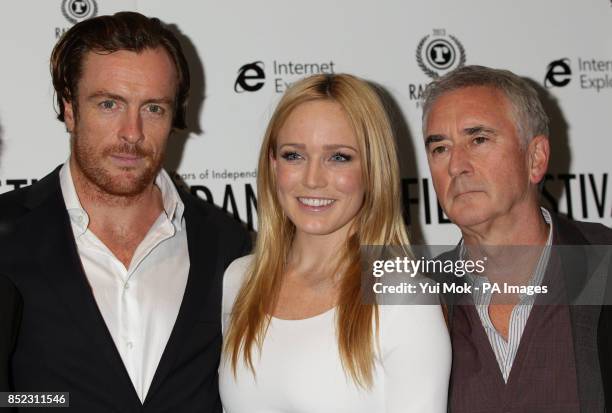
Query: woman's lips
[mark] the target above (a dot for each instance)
(315, 204)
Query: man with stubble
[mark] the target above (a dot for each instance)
(118, 269)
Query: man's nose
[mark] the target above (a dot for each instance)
(131, 127)
(460, 161)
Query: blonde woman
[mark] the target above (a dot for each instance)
(297, 335)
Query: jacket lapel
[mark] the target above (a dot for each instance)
(203, 250)
(54, 250)
(584, 318)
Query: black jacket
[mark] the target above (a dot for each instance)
(10, 317)
(63, 343)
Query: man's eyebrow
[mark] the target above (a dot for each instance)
(105, 94)
(108, 95)
(474, 130)
(165, 100)
(433, 139)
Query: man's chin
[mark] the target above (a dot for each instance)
(124, 180)
(124, 190)
(469, 217)
(131, 183)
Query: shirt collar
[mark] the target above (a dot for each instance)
(540, 268)
(173, 206)
(547, 218)
(78, 216)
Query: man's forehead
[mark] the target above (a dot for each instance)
(149, 68)
(127, 56)
(470, 104)
(472, 94)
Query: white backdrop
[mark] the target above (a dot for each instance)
(375, 40)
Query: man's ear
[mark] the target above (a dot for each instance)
(69, 115)
(538, 151)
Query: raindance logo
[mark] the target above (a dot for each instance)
(559, 73)
(250, 77)
(78, 10)
(439, 53)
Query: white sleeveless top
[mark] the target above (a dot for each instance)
(299, 369)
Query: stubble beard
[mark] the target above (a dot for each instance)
(130, 182)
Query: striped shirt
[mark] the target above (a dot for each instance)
(505, 351)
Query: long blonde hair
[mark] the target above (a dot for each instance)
(379, 222)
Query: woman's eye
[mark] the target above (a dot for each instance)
(340, 157)
(290, 156)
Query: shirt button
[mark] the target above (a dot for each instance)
(126, 286)
(130, 345)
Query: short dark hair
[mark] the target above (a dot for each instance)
(107, 34)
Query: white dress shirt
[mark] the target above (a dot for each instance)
(139, 304)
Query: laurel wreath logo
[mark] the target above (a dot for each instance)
(462, 57)
(70, 18)
(432, 73)
(419, 58)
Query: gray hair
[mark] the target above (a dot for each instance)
(529, 115)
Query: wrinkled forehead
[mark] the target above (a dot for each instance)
(471, 105)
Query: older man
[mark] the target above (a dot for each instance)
(486, 136)
(119, 271)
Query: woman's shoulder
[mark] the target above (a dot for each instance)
(234, 277)
(236, 271)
